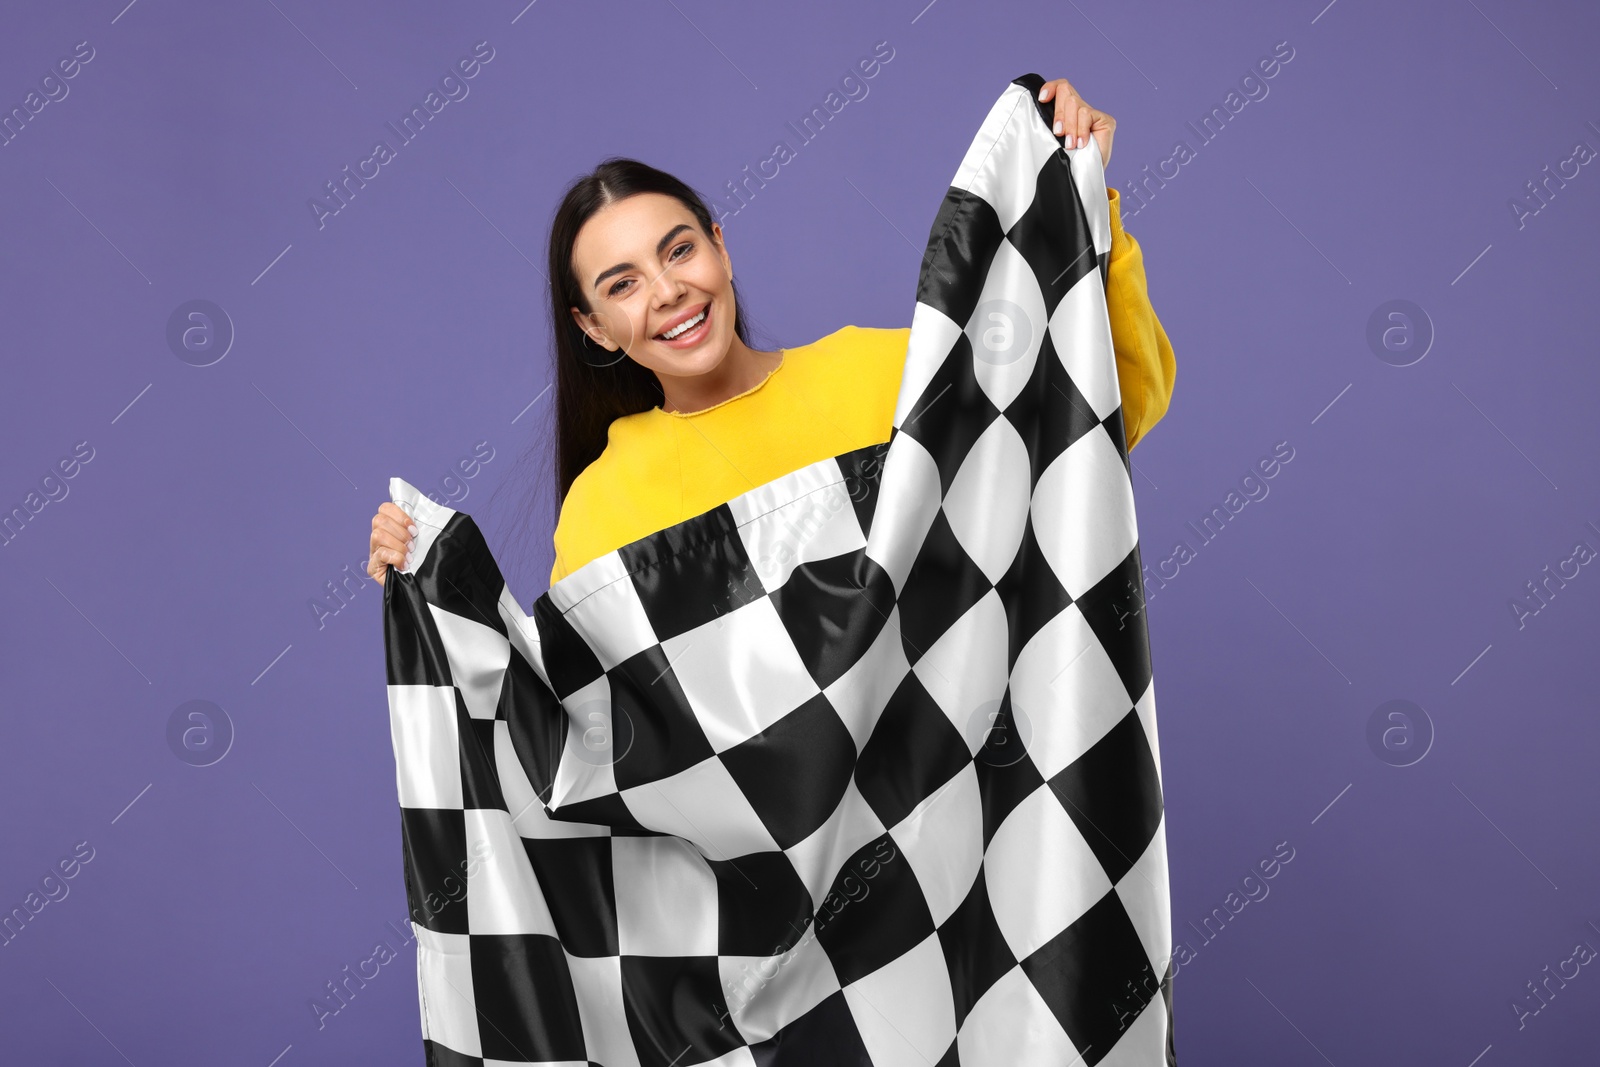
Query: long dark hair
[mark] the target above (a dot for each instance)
(593, 386)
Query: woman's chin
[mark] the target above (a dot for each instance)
(703, 358)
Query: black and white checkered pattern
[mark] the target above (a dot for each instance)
(860, 767)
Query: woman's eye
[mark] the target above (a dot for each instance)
(685, 248)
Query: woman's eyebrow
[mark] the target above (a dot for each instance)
(661, 246)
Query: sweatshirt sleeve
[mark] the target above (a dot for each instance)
(576, 534)
(558, 569)
(1145, 363)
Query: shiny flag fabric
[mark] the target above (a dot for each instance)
(858, 768)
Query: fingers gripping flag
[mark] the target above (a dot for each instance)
(860, 767)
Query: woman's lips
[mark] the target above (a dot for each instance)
(692, 337)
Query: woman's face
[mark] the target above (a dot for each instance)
(646, 267)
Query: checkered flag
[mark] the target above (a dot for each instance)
(860, 767)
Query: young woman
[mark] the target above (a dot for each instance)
(663, 408)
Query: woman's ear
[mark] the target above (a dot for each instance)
(722, 249)
(597, 334)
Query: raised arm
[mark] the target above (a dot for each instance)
(1145, 363)
(1145, 367)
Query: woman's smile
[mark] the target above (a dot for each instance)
(699, 328)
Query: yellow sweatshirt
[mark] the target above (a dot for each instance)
(833, 395)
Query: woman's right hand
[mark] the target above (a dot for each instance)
(393, 539)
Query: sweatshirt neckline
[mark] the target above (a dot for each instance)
(783, 358)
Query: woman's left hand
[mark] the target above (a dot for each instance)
(1076, 119)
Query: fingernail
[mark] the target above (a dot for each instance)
(1041, 92)
(1058, 129)
(412, 530)
(411, 546)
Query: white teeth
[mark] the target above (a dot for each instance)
(683, 327)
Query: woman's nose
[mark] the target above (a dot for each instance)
(667, 286)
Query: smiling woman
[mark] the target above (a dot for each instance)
(798, 771)
(657, 289)
(665, 410)
(663, 407)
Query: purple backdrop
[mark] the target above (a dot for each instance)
(1376, 665)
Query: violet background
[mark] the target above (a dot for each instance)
(1381, 566)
